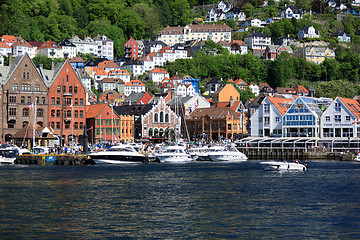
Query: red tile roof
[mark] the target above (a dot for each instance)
(240, 82)
(8, 38)
(352, 104)
(280, 103)
(49, 44)
(22, 43)
(301, 89)
(101, 72)
(4, 45)
(92, 111)
(108, 64)
(77, 59)
(159, 70)
(135, 83)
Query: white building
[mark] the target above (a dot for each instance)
(158, 74)
(254, 89)
(135, 67)
(291, 12)
(69, 49)
(5, 49)
(134, 86)
(235, 14)
(21, 47)
(120, 74)
(86, 46)
(50, 49)
(308, 32)
(109, 84)
(257, 41)
(267, 119)
(105, 47)
(238, 47)
(303, 117)
(341, 119)
(214, 32)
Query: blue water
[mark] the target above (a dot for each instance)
(201, 200)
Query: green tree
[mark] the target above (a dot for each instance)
(335, 88)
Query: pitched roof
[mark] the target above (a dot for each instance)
(28, 130)
(22, 44)
(280, 103)
(35, 43)
(135, 83)
(301, 89)
(352, 104)
(213, 113)
(8, 38)
(240, 82)
(108, 64)
(77, 59)
(233, 105)
(261, 85)
(159, 70)
(4, 45)
(101, 72)
(92, 111)
(237, 43)
(49, 44)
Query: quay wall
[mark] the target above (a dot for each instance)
(43, 159)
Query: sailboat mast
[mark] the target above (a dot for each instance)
(34, 123)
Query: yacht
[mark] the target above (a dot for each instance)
(8, 154)
(174, 154)
(283, 165)
(199, 153)
(229, 153)
(118, 154)
(357, 158)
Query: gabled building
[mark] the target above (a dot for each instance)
(68, 49)
(134, 86)
(303, 117)
(284, 40)
(291, 12)
(285, 92)
(22, 85)
(341, 119)
(121, 74)
(105, 47)
(302, 91)
(241, 84)
(180, 51)
(266, 121)
(85, 79)
(86, 46)
(254, 89)
(5, 49)
(273, 51)
(189, 103)
(77, 63)
(135, 67)
(342, 36)
(318, 54)
(131, 49)
(238, 47)
(50, 49)
(158, 74)
(165, 86)
(226, 94)
(110, 84)
(21, 47)
(308, 32)
(257, 41)
(106, 126)
(235, 14)
(213, 85)
(67, 98)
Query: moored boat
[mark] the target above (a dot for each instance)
(117, 155)
(175, 154)
(229, 153)
(283, 166)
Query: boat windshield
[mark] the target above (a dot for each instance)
(8, 153)
(119, 150)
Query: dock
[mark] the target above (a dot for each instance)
(63, 159)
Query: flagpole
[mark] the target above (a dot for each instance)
(72, 127)
(34, 125)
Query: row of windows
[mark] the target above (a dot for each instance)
(337, 118)
(110, 131)
(26, 87)
(156, 117)
(70, 89)
(67, 114)
(77, 125)
(68, 101)
(25, 112)
(12, 99)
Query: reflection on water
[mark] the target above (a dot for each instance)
(195, 200)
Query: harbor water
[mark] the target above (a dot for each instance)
(200, 200)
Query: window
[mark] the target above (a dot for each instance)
(25, 123)
(161, 116)
(12, 111)
(25, 112)
(75, 89)
(76, 125)
(64, 89)
(28, 100)
(76, 102)
(81, 114)
(70, 89)
(167, 117)
(52, 101)
(14, 86)
(22, 99)
(58, 125)
(52, 124)
(337, 107)
(347, 118)
(52, 113)
(12, 99)
(58, 113)
(327, 118)
(156, 117)
(277, 119)
(266, 108)
(58, 89)
(337, 118)
(40, 113)
(37, 88)
(58, 101)
(81, 102)
(81, 125)
(76, 113)
(42, 100)
(37, 100)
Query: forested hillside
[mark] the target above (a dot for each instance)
(41, 20)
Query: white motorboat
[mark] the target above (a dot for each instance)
(283, 166)
(357, 158)
(199, 153)
(8, 154)
(118, 154)
(174, 154)
(229, 153)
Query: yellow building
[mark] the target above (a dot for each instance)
(126, 128)
(318, 54)
(227, 93)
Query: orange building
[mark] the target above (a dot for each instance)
(106, 126)
(67, 100)
(226, 94)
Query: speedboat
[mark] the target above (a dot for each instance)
(174, 154)
(284, 165)
(8, 154)
(118, 154)
(229, 153)
(357, 158)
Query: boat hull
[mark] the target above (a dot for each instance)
(227, 157)
(174, 159)
(283, 166)
(117, 159)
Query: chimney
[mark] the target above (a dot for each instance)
(52, 64)
(10, 58)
